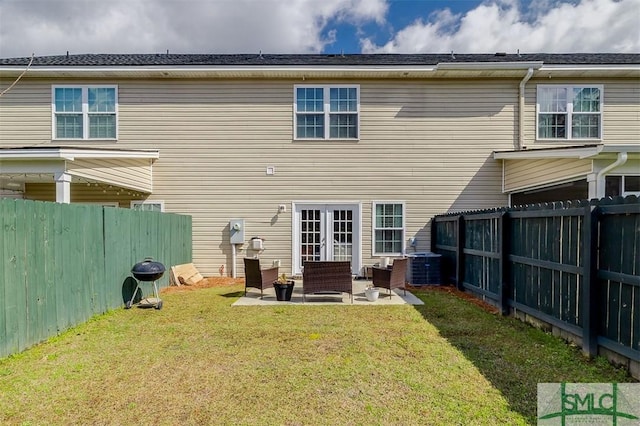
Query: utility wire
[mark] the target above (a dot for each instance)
(19, 77)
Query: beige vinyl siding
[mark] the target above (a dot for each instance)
(132, 174)
(519, 174)
(6, 193)
(25, 113)
(81, 193)
(428, 144)
(620, 114)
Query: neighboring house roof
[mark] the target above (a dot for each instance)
(333, 66)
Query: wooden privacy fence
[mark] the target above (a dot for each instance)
(575, 265)
(63, 263)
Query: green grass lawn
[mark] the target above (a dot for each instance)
(201, 361)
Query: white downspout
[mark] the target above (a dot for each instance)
(600, 182)
(520, 141)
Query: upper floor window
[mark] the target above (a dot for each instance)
(388, 228)
(569, 112)
(84, 112)
(326, 112)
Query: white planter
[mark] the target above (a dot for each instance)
(372, 294)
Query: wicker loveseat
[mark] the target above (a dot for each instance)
(326, 276)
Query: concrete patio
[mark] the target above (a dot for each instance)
(397, 297)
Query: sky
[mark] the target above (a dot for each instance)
(53, 27)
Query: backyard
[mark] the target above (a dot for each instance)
(201, 361)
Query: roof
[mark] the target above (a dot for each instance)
(171, 59)
(327, 66)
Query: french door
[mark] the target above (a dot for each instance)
(326, 232)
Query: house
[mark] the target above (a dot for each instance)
(297, 157)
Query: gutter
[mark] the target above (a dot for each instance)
(622, 158)
(523, 82)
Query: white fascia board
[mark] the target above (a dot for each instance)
(71, 154)
(581, 152)
(489, 65)
(592, 67)
(27, 166)
(532, 154)
(154, 155)
(266, 70)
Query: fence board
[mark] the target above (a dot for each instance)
(635, 331)
(36, 289)
(12, 280)
(62, 264)
(22, 231)
(5, 262)
(625, 315)
(547, 266)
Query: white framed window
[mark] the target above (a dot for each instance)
(569, 112)
(102, 203)
(84, 112)
(622, 185)
(388, 227)
(326, 111)
(148, 206)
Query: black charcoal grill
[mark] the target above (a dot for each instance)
(147, 271)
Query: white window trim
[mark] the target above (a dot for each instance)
(139, 202)
(356, 206)
(373, 228)
(85, 109)
(569, 112)
(624, 193)
(102, 203)
(327, 113)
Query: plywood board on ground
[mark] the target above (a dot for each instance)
(185, 274)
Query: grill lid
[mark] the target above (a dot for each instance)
(148, 270)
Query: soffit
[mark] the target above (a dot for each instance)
(39, 165)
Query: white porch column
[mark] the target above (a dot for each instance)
(592, 181)
(63, 187)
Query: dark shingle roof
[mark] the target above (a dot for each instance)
(116, 60)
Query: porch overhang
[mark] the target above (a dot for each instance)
(543, 167)
(128, 169)
(600, 151)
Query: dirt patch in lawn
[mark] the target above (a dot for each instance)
(205, 283)
(461, 294)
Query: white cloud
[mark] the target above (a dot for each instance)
(186, 26)
(500, 25)
(48, 27)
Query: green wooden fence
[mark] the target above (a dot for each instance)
(575, 265)
(63, 263)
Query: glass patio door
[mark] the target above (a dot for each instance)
(327, 232)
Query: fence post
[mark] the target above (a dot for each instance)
(460, 254)
(505, 249)
(589, 298)
(434, 235)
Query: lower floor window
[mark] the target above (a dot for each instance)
(148, 206)
(388, 228)
(622, 185)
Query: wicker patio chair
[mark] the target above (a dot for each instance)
(392, 277)
(258, 278)
(325, 276)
